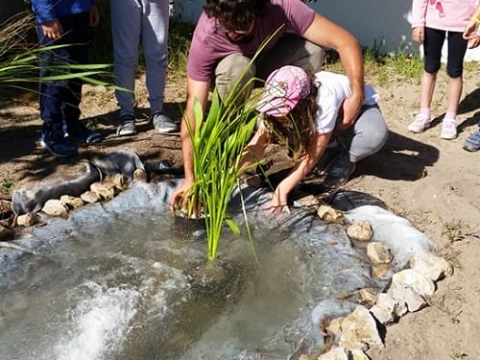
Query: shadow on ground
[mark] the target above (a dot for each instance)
(19, 143)
(471, 102)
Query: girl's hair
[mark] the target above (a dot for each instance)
(296, 133)
(236, 14)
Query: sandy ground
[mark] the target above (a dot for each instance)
(432, 182)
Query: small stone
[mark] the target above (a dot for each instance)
(309, 201)
(119, 181)
(5, 208)
(361, 231)
(72, 202)
(28, 219)
(90, 197)
(140, 175)
(431, 266)
(54, 207)
(329, 214)
(378, 253)
(105, 191)
(367, 296)
(380, 271)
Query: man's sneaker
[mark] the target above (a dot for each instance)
(449, 129)
(419, 124)
(78, 130)
(340, 171)
(54, 140)
(472, 143)
(164, 124)
(126, 126)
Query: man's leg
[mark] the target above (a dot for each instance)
(229, 70)
(291, 49)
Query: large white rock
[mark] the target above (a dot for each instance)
(336, 353)
(417, 281)
(431, 266)
(404, 294)
(359, 330)
(54, 207)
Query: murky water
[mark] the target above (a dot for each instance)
(116, 284)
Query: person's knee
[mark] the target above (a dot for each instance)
(432, 67)
(454, 71)
(317, 54)
(231, 70)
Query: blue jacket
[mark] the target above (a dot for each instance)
(47, 10)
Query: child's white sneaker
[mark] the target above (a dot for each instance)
(449, 129)
(419, 124)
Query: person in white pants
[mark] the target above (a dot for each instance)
(146, 21)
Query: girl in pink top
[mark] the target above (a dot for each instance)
(432, 21)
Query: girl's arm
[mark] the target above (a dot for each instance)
(471, 30)
(419, 10)
(302, 168)
(255, 149)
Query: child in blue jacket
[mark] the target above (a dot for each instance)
(63, 22)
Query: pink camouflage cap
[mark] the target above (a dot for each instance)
(284, 88)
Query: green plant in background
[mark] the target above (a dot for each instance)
(20, 65)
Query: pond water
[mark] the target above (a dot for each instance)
(124, 280)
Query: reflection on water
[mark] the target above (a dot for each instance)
(133, 285)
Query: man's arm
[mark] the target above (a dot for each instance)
(196, 91)
(324, 32)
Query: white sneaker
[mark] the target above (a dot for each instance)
(419, 124)
(449, 129)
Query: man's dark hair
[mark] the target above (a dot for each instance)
(235, 14)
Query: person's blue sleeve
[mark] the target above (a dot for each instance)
(43, 10)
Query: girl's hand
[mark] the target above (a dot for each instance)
(470, 30)
(277, 205)
(418, 34)
(474, 41)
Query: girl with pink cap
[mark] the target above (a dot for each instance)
(302, 111)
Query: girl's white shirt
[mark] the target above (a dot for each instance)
(333, 90)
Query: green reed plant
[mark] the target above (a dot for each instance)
(219, 141)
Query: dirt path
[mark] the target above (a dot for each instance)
(432, 182)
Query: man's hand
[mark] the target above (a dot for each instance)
(179, 196)
(418, 34)
(52, 29)
(94, 16)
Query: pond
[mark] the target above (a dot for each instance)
(125, 280)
